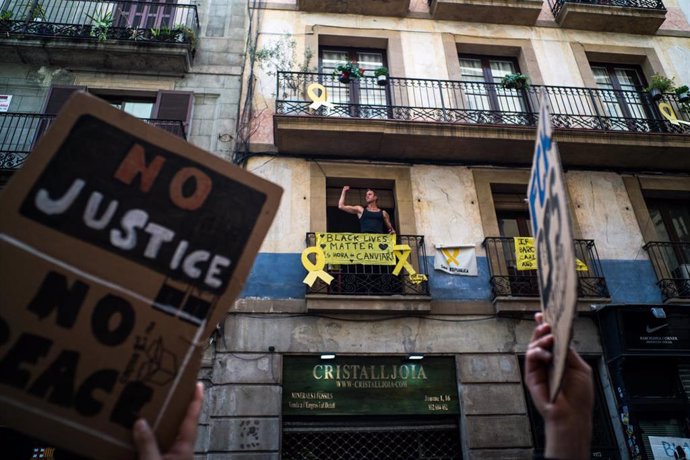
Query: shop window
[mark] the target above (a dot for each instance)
(603, 445)
(362, 97)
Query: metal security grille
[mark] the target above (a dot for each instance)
(421, 440)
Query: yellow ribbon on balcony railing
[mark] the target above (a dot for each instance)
(315, 269)
(320, 100)
(402, 252)
(668, 113)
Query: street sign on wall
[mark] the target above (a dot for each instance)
(556, 261)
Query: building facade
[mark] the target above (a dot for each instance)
(447, 142)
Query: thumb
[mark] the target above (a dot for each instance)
(145, 441)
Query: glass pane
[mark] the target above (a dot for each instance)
(629, 82)
(499, 69)
(137, 109)
(508, 227)
(337, 92)
(370, 92)
(509, 100)
(476, 93)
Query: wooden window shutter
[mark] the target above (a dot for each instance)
(57, 96)
(174, 105)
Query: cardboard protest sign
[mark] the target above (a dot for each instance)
(548, 205)
(121, 247)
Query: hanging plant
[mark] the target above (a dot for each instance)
(659, 85)
(381, 75)
(515, 81)
(348, 71)
(683, 93)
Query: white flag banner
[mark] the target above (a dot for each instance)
(459, 259)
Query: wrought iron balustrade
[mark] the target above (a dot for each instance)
(376, 280)
(671, 262)
(557, 5)
(507, 280)
(20, 131)
(95, 20)
(478, 103)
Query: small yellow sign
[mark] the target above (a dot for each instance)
(526, 255)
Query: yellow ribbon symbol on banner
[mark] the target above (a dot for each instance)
(318, 100)
(451, 256)
(668, 113)
(315, 269)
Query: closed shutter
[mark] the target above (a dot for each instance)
(174, 105)
(57, 97)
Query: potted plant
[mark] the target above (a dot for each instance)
(348, 71)
(658, 86)
(683, 93)
(381, 75)
(515, 81)
(37, 13)
(101, 25)
(5, 20)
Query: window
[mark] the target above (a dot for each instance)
(364, 97)
(137, 107)
(145, 14)
(339, 221)
(482, 76)
(621, 96)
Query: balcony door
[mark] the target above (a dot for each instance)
(671, 219)
(146, 14)
(481, 82)
(622, 98)
(362, 98)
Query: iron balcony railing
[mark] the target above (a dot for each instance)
(20, 131)
(95, 20)
(507, 281)
(671, 262)
(376, 280)
(557, 5)
(479, 103)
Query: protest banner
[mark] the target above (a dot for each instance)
(458, 259)
(122, 248)
(357, 248)
(526, 257)
(548, 205)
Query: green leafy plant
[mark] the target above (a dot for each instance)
(5, 15)
(184, 34)
(348, 71)
(101, 25)
(658, 85)
(515, 81)
(37, 12)
(660, 82)
(381, 71)
(683, 93)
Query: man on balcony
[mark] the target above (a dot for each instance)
(372, 219)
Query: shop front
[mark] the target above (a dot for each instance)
(647, 350)
(350, 407)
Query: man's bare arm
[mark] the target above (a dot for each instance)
(358, 210)
(387, 221)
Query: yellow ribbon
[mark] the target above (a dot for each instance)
(451, 255)
(315, 269)
(668, 113)
(402, 252)
(318, 100)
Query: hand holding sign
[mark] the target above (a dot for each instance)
(568, 418)
(548, 205)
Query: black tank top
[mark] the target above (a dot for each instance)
(371, 222)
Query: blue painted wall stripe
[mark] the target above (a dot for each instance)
(279, 276)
